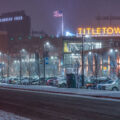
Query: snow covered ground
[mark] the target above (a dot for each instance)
(10, 116)
(65, 90)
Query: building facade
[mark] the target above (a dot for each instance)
(15, 23)
(101, 55)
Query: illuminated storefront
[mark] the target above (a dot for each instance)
(101, 51)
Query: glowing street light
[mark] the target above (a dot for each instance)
(47, 43)
(90, 53)
(111, 50)
(116, 50)
(69, 34)
(87, 36)
(52, 57)
(23, 50)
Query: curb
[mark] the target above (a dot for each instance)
(65, 93)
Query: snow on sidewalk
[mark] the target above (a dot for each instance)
(10, 116)
(64, 90)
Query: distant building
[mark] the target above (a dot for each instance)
(15, 23)
(33, 44)
(4, 41)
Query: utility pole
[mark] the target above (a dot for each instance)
(82, 60)
(44, 62)
(44, 68)
(29, 70)
(37, 61)
(8, 70)
(20, 67)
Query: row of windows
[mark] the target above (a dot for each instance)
(9, 19)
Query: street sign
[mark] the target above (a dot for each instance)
(46, 60)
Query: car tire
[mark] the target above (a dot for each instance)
(63, 85)
(115, 89)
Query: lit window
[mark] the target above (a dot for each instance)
(18, 18)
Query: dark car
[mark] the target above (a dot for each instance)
(52, 82)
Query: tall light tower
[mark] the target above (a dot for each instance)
(83, 36)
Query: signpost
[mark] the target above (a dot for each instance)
(46, 60)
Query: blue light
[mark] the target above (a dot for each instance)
(69, 34)
(61, 62)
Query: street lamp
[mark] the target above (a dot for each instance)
(47, 43)
(83, 38)
(111, 50)
(45, 54)
(90, 53)
(116, 50)
(22, 51)
(2, 64)
(83, 60)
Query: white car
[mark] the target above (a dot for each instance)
(113, 85)
(62, 83)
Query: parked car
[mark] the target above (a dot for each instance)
(92, 84)
(52, 82)
(24, 81)
(113, 85)
(35, 81)
(62, 83)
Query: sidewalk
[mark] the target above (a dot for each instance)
(10, 116)
(67, 91)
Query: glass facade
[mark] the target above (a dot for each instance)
(101, 56)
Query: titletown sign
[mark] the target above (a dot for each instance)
(99, 31)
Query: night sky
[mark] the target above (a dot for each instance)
(76, 12)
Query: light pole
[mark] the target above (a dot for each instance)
(37, 61)
(20, 61)
(45, 54)
(8, 69)
(83, 60)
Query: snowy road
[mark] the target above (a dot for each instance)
(10, 116)
(65, 91)
(43, 106)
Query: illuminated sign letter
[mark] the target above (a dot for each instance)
(110, 30)
(93, 31)
(104, 30)
(79, 31)
(117, 30)
(88, 30)
(84, 31)
(98, 31)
